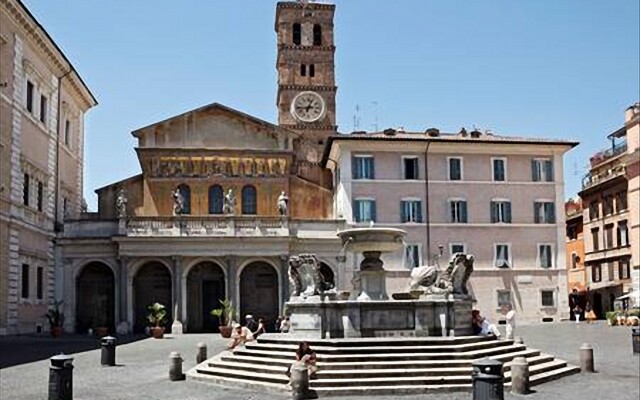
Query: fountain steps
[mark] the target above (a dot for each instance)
(377, 341)
(367, 370)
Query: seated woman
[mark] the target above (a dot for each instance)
(481, 326)
(305, 355)
(240, 336)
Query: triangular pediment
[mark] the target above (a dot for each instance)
(215, 127)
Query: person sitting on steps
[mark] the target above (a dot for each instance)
(482, 327)
(306, 356)
(240, 336)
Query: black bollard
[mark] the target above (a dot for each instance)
(202, 353)
(488, 381)
(108, 356)
(175, 367)
(635, 340)
(61, 378)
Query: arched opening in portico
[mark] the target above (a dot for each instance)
(205, 289)
(327, 274)
(151, 284)
(95, 298)
(259, 292)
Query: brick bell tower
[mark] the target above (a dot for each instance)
(306, 80)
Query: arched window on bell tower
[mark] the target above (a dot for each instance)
(317, 35)
(303, 70)
(215, 199)
(249, 201)
(312, 70)
(297, 33)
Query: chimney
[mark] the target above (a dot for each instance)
(389, 132)
(433, 132)
(475, 133)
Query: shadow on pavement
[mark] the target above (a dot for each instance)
(17, 350)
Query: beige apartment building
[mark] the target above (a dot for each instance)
(43, 101)
(611, 200)
(498, 198)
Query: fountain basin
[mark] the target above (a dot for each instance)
(372, 239)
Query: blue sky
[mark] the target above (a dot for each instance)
(564, 69)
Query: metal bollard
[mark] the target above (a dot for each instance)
(175, 367)
(635, 340)
(488, 381)
(108, 355)
(586, 358)
(519, 376)
(299, 381)
(202, 352)
(61, 378)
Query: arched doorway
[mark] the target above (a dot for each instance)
(205, 289)
(151, 284)
(95, 298)
(327, 275)
(259, 292)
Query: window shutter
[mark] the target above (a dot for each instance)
(536, 212)
(354, 168)
(416, 171)
(548, 170)
(463, 211)
(403, 214)
(535, 174)
(356, 211)
(494, 212)
(507, 212)
(419, 211)
(452, 213)
(373, 168)
(551, 213)
(373, 211)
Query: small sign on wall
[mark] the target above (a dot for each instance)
(524, 279)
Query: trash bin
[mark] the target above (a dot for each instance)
(108, 356)
(487, 380)
(635, 340)
(61, 378)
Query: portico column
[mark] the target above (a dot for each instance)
(176, 327)
(232, 291)
(284, 281)
(122, 300)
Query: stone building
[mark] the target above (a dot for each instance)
(611, 198)
(577, 280)
(43, 101)
(171, 234)
(499, 198)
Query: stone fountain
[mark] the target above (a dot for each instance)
(436, 302)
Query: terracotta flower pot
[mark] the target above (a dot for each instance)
(225, 331)
(56, 331)
(157, 332)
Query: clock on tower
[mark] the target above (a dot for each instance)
(306, 79)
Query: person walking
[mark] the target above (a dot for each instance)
(510, 317)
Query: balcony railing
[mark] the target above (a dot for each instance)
(592, 180)
(604, 155)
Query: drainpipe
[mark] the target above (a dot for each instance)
(57, 226)
(426, 196)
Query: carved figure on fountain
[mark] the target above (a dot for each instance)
(452, 280)
(305, 277)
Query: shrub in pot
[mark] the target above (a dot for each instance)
(157, 317)
(225, 314)
(56, 319)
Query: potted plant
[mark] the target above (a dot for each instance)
(225, 313)
(612, 318)
(157, 317)
(56, 319)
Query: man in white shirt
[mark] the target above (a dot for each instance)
(240, 336)
(510, 317)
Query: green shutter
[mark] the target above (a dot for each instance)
(494, 212)
(535, 175)
(507, 212)
(403, 214)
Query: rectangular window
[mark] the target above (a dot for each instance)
(458, 211)
(594, 210)
(574, 260)
(544, 212)
(410, 167)
(504, 297)
(363, 167)
(30, 90)
(39, 283)
(25, 281)
(596, 273)
(499, 169)
(65, 207)
(621, 200)
(594, 238)
(623, 234)
(500, 211)
(455, 168)
(608, 236)
(25, 190)
(43, 109)
(410, 211)
(610, 271)
(608, 205)
(40, 195)
(364, 210)
(502, 256)
(455, 248)
(547, 298)
(542, 170)
(572, 232)
(545, 256)
(412, 256)
(67, 131)
(624, 269)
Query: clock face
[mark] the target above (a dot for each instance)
(308, 107)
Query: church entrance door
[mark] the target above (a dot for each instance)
(259, 292)
(95, 298)
(151, 284)
(205, 289)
